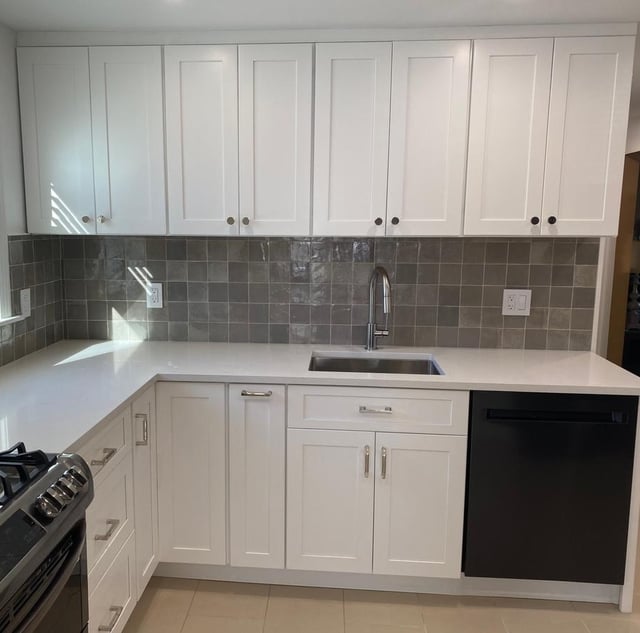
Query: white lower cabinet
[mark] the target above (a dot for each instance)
(419, 504)
(329, 500)
(110, 519)
(112, 601)
(192, 472)
(378, 488)
(143, 414)
(372, 500)
(256, 475)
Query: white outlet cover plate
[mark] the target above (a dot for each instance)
(154, 295)
(516, 302)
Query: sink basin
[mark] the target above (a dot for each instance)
(376, 364)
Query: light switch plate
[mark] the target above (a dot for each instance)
(516, 302)
(154, 295)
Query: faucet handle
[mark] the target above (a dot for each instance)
(384, 332)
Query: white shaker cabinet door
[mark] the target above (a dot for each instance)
(145, 485)
(275, 103)
(256, 475)
(55, 110)
(428, 137)
(419, 504)
(586, 143)
(128, 139)
(191, 472)
(507, 136)
(201, 93)
(329, 500)
(351, 149)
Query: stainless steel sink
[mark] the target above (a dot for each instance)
(376, 364)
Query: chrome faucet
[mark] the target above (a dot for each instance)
(372, 329)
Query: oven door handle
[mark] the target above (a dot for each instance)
(40, 609)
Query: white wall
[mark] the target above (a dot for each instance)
(11, 180)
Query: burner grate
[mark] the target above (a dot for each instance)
(18, 468)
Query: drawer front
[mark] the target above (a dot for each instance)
(103, 451)
(366, 409)
(110, 517)
(114, 597)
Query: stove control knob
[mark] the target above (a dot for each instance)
(46, 508)
(68, 486)
(62, 487)
(56, 494)
(75, 475)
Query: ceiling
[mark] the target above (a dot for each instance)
(178, 15)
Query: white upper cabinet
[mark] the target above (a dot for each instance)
(428, 137)
(586, 141)
(128, 139)
(55, 110)
(275, 104)
(507, 136)
(351, 138)
(201, 98)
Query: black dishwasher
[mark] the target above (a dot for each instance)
(549, 486)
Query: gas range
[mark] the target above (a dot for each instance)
(43, 499)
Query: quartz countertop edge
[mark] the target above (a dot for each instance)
(58, 398)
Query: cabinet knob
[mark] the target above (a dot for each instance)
(378, 221)
(102, 219)
(535, 220)
(552, 219)
(231, 220)
(395, 220)
(86, 219)
(245, 220)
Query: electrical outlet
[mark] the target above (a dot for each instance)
(154, 295)
(516, 302)
(25, 302)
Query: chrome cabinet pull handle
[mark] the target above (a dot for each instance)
(231, 220)
(113, 525)
(86, 219)
(246, 221)
(383, 474)
(102, 219)
(117, 612)
(108, 456)
(366, 461)
(385, 410)
(145, 429)
(256, 394)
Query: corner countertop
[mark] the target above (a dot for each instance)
(55, 399)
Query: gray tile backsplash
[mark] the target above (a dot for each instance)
(315, 290)
(35, 263)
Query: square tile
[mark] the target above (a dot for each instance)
(230, 599)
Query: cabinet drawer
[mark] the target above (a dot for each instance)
(368, 409)
(114, 597)
(103, 451)
(109, 518)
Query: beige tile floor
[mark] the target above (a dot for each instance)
(190, 606)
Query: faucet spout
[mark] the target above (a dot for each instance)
(372, 329)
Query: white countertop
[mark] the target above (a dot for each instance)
(54, 399)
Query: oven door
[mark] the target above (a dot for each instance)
(62, 604)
